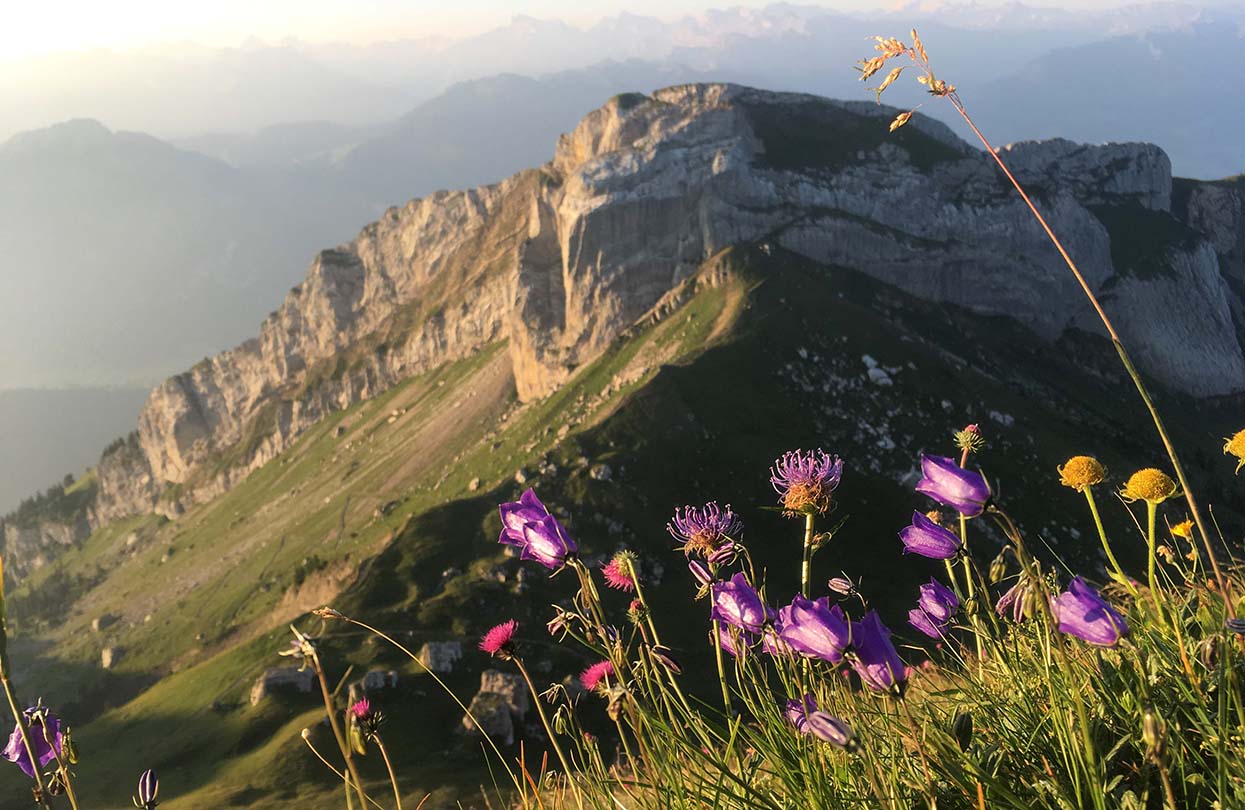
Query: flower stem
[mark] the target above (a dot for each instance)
(1119, 348)
(1151, 510)
(337, 731)
(553, 740)
(806, 567)
(518, 784)
(1106, 545)
(393, 779)
(345, 778)
(717, 650)
(64, 771)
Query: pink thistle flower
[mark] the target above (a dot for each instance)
(617, 573)
(361, 709)
(499, 641)
(592, 677)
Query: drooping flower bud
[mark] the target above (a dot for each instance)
(962, 729)
(148, 791)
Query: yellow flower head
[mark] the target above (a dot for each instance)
(1235, 446)
(1080, 472)
(1183, 529)
(1150, 485)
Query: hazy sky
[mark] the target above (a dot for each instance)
(48, 26)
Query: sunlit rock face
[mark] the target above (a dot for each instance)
(561, 259)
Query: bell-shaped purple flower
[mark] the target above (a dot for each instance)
(927, 538)
(737, 603)
(734, 640)
(1017, 601)
(938, 601)
(798, 711)
(815, 629)
(920, 620)
(876, 661)
(948, 483)
(1081, 612)
(527, 524)
(935, 607)
(828, 728)
(38, 720)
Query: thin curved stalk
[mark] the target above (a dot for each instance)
(393, 778)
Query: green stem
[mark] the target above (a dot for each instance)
(717, 649)
(1119, 348)
(337, 732)
(553, 740)
(806, 567)
(393, 779)
(1151, 510)
(1117, 571)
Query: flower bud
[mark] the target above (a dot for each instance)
(998, 568)
(1153, 731)
(664, 656)
(962, 729)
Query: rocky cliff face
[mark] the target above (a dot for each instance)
(561, 259)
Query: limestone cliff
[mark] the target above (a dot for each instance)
(560, 260)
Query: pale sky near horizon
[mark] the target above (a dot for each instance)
(51, 26)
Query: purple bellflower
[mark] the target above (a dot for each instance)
(737, 603)
(950, 484)
(935, 607)
(928, 539)
(38, 720)
(1081, 612)
(876, 661)
(815, 629)
(527, 524)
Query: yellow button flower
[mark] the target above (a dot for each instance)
(1150, 485)
(1235, 446)
(1080, 472)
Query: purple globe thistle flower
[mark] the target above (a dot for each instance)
(1018, 600)
(828, 728)
(41, 726)
(1081, 612)
(702, 529)
(148, 791)
(948, 483)
(815, 629)
(737, 603)
(527, 524)
(876, 661)
(805, 482)
(928, 539)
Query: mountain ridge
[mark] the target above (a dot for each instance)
(562, 259)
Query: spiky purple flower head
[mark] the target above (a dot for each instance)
(619, 572)
(499, 641)
(805, 482)
(703, 529)
(595, 675)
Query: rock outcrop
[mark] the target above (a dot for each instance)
(562, 259)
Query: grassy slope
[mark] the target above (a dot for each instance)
(771, 360)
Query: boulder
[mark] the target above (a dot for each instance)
(492, 716)
(282, 678)
(441, 656)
